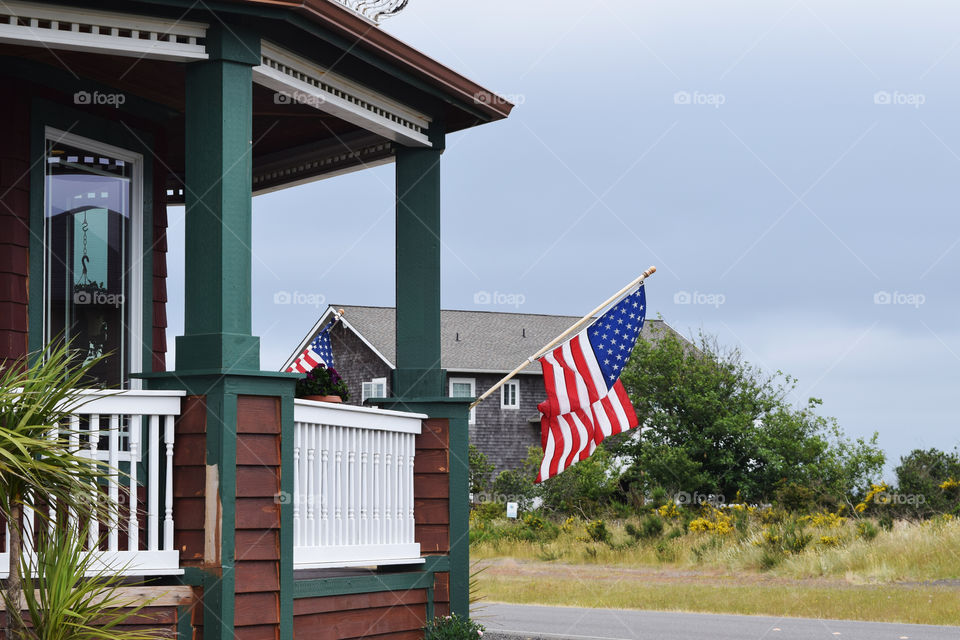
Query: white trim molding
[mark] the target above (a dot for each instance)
(297, 80)
(109, 32)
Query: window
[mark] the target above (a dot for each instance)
(92, 234)
(464, 388)
(376, 388)
(510, 395)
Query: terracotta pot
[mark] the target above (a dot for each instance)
(324, 398)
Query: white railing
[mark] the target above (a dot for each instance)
(132, 431)
(353, 486)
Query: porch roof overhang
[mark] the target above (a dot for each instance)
(338, 95)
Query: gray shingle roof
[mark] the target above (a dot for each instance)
(475, 340)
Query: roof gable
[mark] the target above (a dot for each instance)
(471, 341)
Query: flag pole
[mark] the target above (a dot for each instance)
(576, 326)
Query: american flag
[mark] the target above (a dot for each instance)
(317, 352)
(586, 401)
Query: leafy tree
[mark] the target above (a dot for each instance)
(924, 473)
(586, 487)
(480, 470)
(518, 485)
(714, 424)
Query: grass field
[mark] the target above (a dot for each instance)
(910, 573)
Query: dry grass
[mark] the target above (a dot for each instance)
(908, 574)
(911, 551)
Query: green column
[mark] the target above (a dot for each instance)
(219, 112)
(418, 372)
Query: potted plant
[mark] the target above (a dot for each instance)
(324, 384)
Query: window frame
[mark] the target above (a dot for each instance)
(136, 252)
(364, 396)
(473, 393)
(515, 385)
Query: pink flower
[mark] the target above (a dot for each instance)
(480, 633)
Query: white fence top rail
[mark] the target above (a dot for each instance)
(345, 415)
(134, 402)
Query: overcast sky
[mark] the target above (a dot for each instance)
(790, 168)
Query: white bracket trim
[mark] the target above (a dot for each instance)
(299, 81)
(56, 27)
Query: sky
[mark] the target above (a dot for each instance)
(790, 167)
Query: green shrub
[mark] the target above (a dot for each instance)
(770, 558)
(452, 627)
(480, 470)
(597, 530)
(486, 511)
(795, 538)
(885, 521)
(517, 485)
(867, 530)
(651, 526)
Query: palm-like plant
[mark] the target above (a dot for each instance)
(38, 463)
(69, 598)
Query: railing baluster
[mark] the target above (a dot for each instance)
(133, 524)
(168, 494)
(297, 494)
(153, 485)
(311, 482)
(352, 482)
(364, 487)
(323, 493)
(113, 480)
(411, 520)
(338, 483)
(93, 442)
(73, 519)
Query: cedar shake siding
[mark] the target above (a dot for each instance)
(505, 435)
(14, 224)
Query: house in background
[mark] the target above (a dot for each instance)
(477, 349)
(248, 513)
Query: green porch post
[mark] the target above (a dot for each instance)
(219, 122)
(419, 382)
(218, 358)
(418, 372)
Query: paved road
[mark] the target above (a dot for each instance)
(558, 623)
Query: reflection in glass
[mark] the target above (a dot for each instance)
(87, 239)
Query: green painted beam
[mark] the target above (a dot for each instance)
(362, 584)
(218, 264)
(418, 372)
